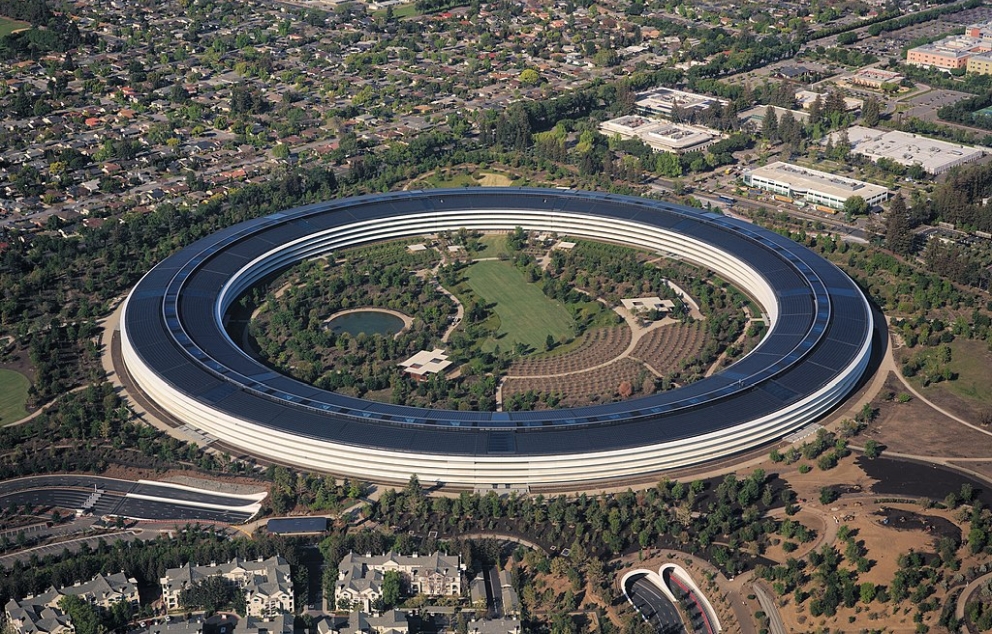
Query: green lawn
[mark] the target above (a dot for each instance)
(8, 26)
(971, 361)
(399, 11)
(495, 244)
(13, 395)
(526, 314)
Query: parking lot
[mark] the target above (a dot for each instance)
(925, 106)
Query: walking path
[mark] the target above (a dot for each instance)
(459, 309)
(775, 624)
(967, 592)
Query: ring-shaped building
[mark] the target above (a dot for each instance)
(176, 349)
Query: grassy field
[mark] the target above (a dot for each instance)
(440, 181)
(972, 362)
(13, 395)
(8, 26)
(526, 314)
(495, 244)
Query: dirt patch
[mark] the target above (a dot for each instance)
(983, 467)
(915, 428)
(883, 544)
(229, 484)
(18, 360)
(489, 179)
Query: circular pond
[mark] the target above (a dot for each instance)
(370, 322)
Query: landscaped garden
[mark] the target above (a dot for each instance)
(527, 321)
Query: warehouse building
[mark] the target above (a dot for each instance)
(818, 188)
(934, 156)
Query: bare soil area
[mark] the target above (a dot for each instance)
(916, 428)
(226, 484)
(983, 467)
(886, 530)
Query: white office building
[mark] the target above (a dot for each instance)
(818, 188)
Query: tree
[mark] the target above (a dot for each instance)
(872, 449)
(668, 164)
(870, 112)
(827, 495)
(898, 236)
(529, 77)
(210, 594)
(769, 125)
(855, 206)
(868, 592)
(392, 583)
(83, 615)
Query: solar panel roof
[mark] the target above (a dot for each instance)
(171, 323)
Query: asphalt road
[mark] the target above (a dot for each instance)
(496, 591)
(73, 546)
(659, 611)
(70, 491)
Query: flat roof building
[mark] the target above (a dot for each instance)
(297, 525)
(934, 156)
(980, 64)
(661, 136)
(948, 54)
(819, 188)
(876, 78)
(756, 115)
(425, 363)
(665, 101)
(647, 303)
(806, 98)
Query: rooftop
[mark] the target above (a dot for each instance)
(426, 362)
(909, 149)
(802, 178)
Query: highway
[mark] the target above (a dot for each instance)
(655, 607)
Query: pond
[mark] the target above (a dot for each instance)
(371, 322)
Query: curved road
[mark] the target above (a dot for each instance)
(138, 500)
(655, 607)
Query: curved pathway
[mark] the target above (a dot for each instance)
(775, 624)
(506, 537)
(966, 593)
(459, 309)
(38, 412)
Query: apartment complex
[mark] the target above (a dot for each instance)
(360, 577)
(267, 584)
(42, 614)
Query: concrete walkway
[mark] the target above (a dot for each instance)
(966, 593)
(775, 624)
